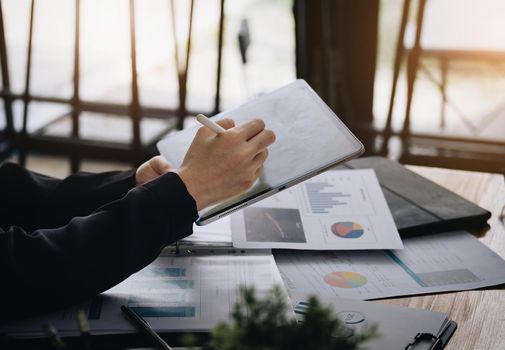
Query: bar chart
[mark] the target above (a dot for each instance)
(321, 200)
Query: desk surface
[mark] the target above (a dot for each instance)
(480, 314)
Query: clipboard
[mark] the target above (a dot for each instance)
(435, 342)
(398, 327)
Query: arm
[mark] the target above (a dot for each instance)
(51, 268)
(32, 200)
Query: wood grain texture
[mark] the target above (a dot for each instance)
(480, 314)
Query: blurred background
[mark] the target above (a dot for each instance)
(93, 85)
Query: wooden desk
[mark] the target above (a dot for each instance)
(480, 314)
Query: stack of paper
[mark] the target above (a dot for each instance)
(217, 233)
(184, 293)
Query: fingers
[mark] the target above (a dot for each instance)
(226, 123)
(262, 140)
(258, 172)
(258, 162)
(160, 165)
(204, 131)
(261, 157)
(251, 128)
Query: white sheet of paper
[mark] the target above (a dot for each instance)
(217, 232)
(396, 325)
(339, 209)
(428, 264)
(191, 292)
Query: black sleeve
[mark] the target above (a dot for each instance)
(52, 268)
(32, 200)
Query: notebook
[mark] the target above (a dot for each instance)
(418, 205)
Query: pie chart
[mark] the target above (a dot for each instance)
(345, 279)
(347, 229)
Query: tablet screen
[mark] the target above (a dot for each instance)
(309, 138)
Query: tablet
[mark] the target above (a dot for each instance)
(310, 139)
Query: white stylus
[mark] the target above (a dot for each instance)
(210, 124)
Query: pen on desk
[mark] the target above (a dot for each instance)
(84, 329)
(210, 124)
(54, 338)
(142, 325)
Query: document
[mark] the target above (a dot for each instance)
(217, 233)
(339, 209)
(428, 264)
(188, 293)
(396, 325)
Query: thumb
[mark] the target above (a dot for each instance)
(160, 165)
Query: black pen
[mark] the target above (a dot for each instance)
(54, 338)
(142, 324)
(84, 329)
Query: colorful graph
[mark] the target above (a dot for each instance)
(345, 279)
(347, 229)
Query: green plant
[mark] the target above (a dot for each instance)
(266, 325)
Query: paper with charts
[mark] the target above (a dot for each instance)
(443, 262)
(339, 209)
(186, 293)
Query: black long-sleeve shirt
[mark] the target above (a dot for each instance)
(64, 241)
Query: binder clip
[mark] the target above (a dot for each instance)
(437, 345)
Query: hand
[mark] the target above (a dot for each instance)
(219, 166)
(153, 168)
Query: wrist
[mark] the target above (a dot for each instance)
(194, 188)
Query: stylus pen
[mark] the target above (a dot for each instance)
(210, 124)
(142, 324)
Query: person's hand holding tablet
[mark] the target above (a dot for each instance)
(310, 139)
(225, 162)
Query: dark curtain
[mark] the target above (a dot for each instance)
(336, 44)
